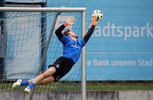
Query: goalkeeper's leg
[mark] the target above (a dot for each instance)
(43, 82)
(46, 80)
(39, 78)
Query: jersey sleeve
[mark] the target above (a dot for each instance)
(58, 32)
(89, 33)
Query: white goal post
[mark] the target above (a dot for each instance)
(83, 30)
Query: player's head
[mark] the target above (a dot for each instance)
(70, 34)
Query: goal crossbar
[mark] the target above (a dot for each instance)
(38, 9)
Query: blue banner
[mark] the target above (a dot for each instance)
(121, 47)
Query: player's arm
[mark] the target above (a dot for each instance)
(90, 31)
(58, 32)
(70, 21)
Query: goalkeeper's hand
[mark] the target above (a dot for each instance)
(70, 21)
(93, 21)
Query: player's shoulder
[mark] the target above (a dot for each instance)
(64, 38)
(82, 42)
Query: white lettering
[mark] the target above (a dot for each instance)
(125, 32)
(142, 28)
(89, 63)
(98, 31)
(136, 32)
(123, 63)
(121, 33)
(113, 27)
(100, 62)
(149, 30)
(142, 62)
(108, 28)
(127, 35)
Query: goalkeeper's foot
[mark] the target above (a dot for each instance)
(17, 83)
(27, 89)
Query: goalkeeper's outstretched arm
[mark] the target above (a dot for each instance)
(58, 32)
(90, 31)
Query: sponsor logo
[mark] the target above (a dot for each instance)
(58, 65)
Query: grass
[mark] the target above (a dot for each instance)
(121, 85)
(147, 85)
(50, 86)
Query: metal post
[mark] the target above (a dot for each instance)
(83, 59)
(3, 40)
(45, 51)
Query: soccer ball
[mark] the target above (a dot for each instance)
(98, 15)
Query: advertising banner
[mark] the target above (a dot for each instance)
(121, 47)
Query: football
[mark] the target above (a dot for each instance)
(98, 15)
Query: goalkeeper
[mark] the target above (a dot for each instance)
(71, 53)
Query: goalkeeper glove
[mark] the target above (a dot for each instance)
(70, 21)
(93, 21)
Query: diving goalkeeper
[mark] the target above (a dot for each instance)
(71, 53)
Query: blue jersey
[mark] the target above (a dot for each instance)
(71, 48)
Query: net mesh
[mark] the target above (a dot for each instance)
(25, 35)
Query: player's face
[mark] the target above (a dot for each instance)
(73, 35)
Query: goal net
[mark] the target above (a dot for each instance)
(26, 34)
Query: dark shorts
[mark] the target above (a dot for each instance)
(63, 65)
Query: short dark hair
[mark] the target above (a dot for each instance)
(66, 33)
